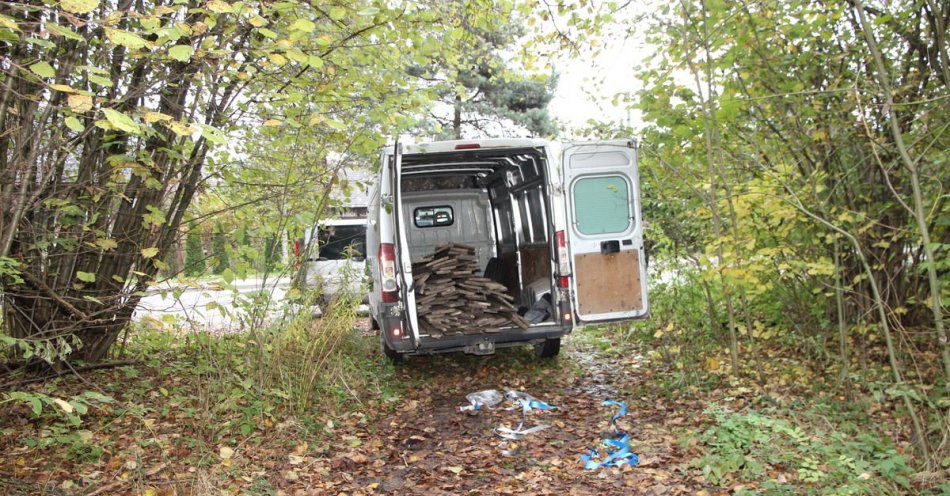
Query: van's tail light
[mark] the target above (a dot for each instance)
(563, 261)
(387, 272)
(468, 146)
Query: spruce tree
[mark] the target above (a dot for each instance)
(485, 92)
(219, 248)
(194, 254)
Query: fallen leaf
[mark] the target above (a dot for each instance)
(64, 405)
(225, 453)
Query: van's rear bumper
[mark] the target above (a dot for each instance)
(471, 342)
(391, 317)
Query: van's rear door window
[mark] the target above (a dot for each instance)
(342, 242)
(602, 205)
(433, 216)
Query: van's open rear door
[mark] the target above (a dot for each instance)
(403, 261)
(605, 235)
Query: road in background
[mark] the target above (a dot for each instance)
(193, 302)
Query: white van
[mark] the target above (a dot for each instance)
(550, 221)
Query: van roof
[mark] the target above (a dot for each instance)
(450, 145)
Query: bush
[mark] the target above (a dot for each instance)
(753, 446)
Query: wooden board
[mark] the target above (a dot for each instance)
(608, 283)
(451, 299)
(535, 263)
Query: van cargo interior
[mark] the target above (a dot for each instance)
(493, 200)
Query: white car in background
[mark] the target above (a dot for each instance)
(337, 257)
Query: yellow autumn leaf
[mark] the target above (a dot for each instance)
(79, 6)
(219, 6)
(180, 128)
(272, 122)
(79, 103)
(65, 88)
(127, 39)
(151, 117)
(8, 23)
(149, 252)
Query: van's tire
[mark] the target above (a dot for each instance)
(548, 349)
(392, 355)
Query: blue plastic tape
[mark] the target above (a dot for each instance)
(617, 451)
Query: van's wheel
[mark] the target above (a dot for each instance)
(392, 355)
(548, 349)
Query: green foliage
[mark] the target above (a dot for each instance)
(194, 254)
(70, 411)
(294, 366)
(134, 109)
(770, 174)
(61, 420)
(49, 350)
(9, 272)
(272, 253)
(219, 250)
(755, 446)
(473, 74)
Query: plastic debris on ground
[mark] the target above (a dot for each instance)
(617, 451)
(523, 401)
(519, 432)
(527, 401)
(478, 400)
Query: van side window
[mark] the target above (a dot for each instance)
(434, 216)
(602, 205)
(342, 242)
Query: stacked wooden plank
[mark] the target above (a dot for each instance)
(452, 299)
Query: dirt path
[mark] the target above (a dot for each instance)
(426, 446)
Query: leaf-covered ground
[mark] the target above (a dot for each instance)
(427, 446)
(179, 425)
